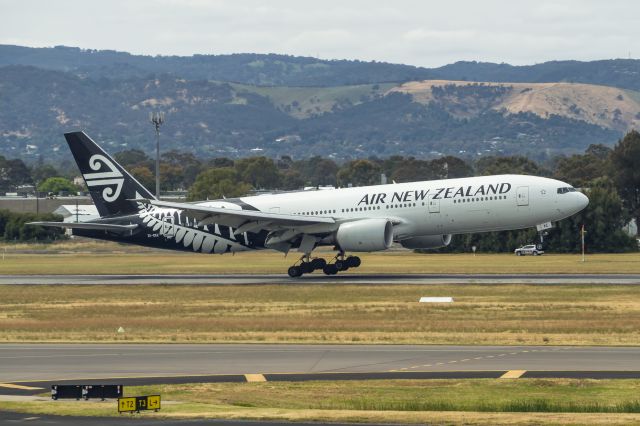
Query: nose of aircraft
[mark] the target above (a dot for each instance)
(582, 201)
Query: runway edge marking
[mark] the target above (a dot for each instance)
(21, 387)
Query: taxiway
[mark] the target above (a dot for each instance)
(37, 365)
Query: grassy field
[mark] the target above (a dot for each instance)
(303, 102)
(520, 401)
(481, 314)
(108, 258)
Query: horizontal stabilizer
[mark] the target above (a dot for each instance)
(88, 225)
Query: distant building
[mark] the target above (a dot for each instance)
(289, 138)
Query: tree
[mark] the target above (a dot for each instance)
(508, 165)
(261, 172)
(56, 185)
(220, 162)
(13, 173)
(603, 219)
(316, 171)
(581, 170)
(42, 172)
(411, 170)
(217, 183)
(13, 227)
(625, 161)
(145, 176)
(188, 167)
(451, 167)
(171, 176)
(598, 151)
(291, 179)
(359, 173)
(131, 157)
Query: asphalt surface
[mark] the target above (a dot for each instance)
(40, 365)
(39, 419)
(319, 278)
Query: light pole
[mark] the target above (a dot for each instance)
(157, 119)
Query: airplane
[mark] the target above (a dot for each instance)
(417, 215)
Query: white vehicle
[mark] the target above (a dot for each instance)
(531, 249)
(362, 219)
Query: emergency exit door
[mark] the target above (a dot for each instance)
(522, 196)
(434, 205)
(168, 228)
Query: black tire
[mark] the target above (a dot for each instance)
(294, 272)
(353, 261)
(341, 265)
(306, 267)
(330, 269)
(318, 263)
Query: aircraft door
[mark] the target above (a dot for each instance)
(522, 196)
(434, 205)
(168, 227)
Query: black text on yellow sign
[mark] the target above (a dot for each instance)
(139, 403)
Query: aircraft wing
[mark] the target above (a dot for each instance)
(88, 225)
(245, 220)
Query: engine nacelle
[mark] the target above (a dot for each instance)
(365, 235)
(427, 242)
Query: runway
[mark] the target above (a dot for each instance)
(39, 365)
(311, 279)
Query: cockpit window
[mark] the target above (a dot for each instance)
(566, 189)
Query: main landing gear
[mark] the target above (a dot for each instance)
(306, 265)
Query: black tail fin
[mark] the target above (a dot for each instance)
(111, 186)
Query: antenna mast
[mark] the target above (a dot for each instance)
(157, 119)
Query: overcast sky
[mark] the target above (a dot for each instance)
(425, 33)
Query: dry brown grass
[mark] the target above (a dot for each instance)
(101, 259)
(506, 314)
(587, 102)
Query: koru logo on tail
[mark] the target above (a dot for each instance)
(112, 180)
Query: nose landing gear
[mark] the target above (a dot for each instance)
(306, 265)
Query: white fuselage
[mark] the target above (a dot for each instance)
(449, 206)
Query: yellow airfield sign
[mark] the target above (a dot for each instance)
(138, 403)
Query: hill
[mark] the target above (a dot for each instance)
(247, 68)
(603, 106)
(623, 73)
(213, 118)
(285, 70)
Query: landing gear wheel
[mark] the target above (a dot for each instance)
(353, 261)
(295, 272)
(330, 269)
(318, 263)
(341, 265)
(306, 267)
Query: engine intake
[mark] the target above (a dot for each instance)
(427, 242)
(365, 235)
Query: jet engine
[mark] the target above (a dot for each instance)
(427, 242)
(365, 235)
